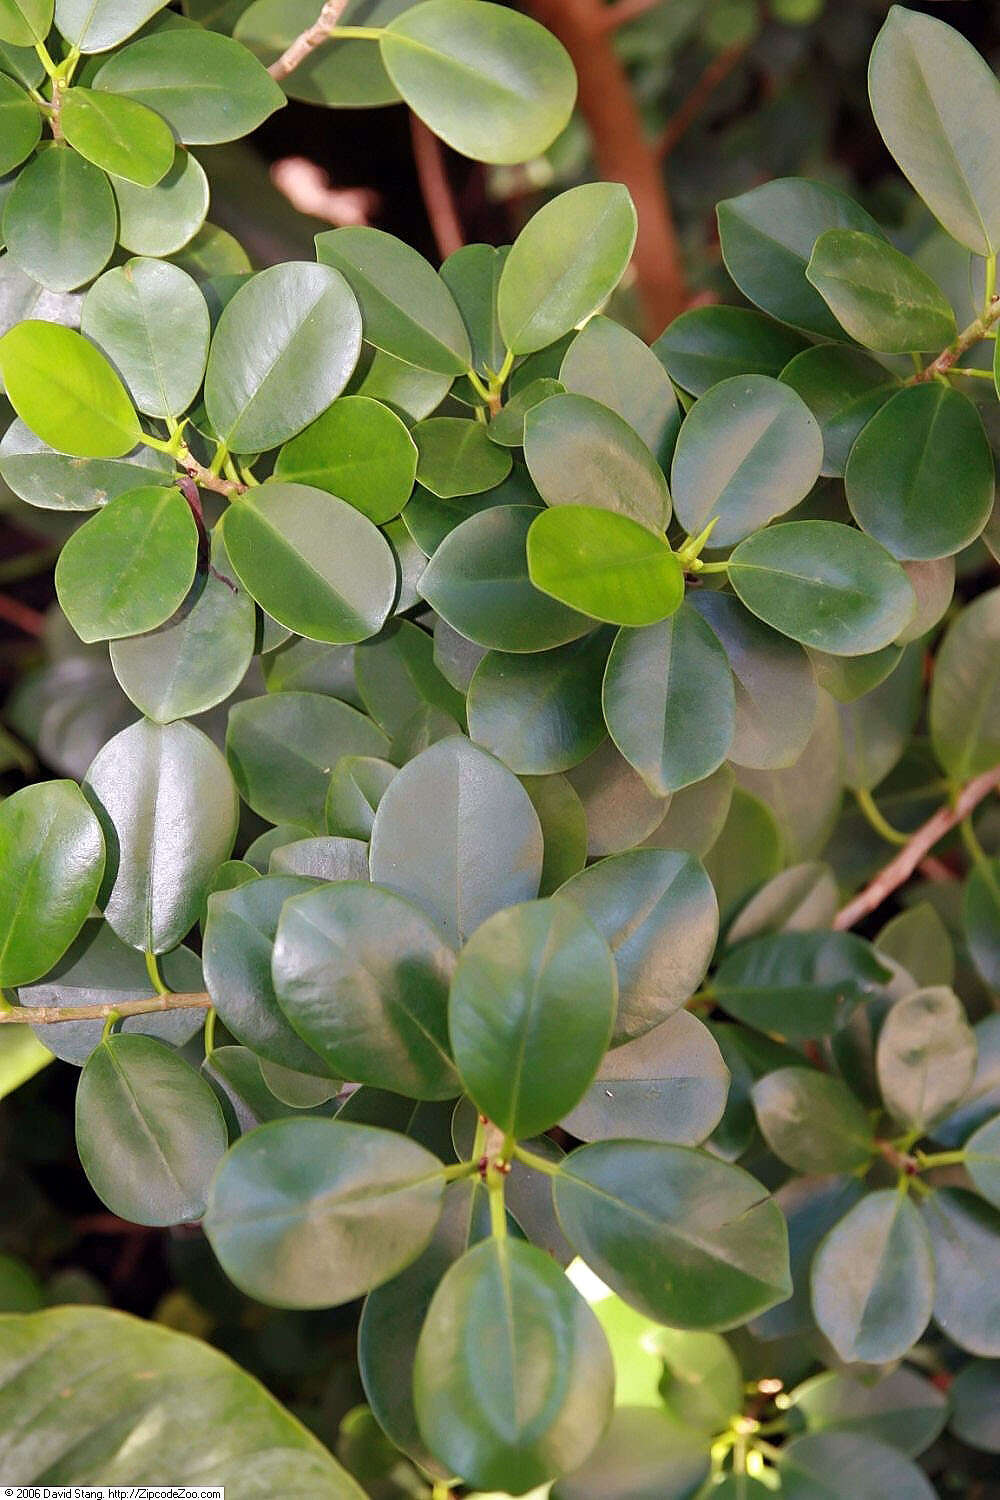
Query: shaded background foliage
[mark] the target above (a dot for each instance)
(729, 94)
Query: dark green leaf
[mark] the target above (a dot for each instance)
(875, 728)
(798, 984)
(540, 713)
(812, 1206)
(339, 73)
(813, 1121)
(620, 809)
(983, 1160)
(564, 829)
(981, 920)
(709, 344)
(975, 1401)
(926, 1057)
(878, 295)
(582, 453)
(843, 388)
(59, 219)
(611, 365)
(902, 1408)
(396, 676)
(827, 1465)
(456, 457)
(965, 1234)
(472, 275)
(965, 701)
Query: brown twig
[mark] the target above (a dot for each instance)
(678, 125)
(296, 52)
(31, 621)
(48, 1015)
(439, 200)
(205, 479)
(936, 871)
(622, 152)
(969, 337)
(919, 844)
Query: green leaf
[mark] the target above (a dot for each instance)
(59, 219)
(177, 1402)
(198, 657)
(99, 969)
(709, 344)
(685, 1239)
(873, 1280)
(611, 365)
(901, 1408)
(926, 83)
(775, 703)
(208, 88)
(551, 1383)
(493, 84)
(826, 1465)
(564, 829)
(975, 1402)
(981, 920)
(358, 450)
(283, 748)
(748, 851)
(983, 1160)
(964, 701)
(407, 309)
(312, 1213)
(965, 1234)
(926, 441)
(583, 454)
(644, 1454)
(811, 1206)
(926, 1057)
(767, 237)
(696, 815)
(478, 582)
(805, 798)
(21, 1057)
(843, 388)
(456, 457)
(52, 856)
(168, 807)
(25, 22)
(823, 584)
(934, 585)
(20, 123)
(749, 450)
(149, 1131)
(130, 566)
(65, 390)
(396, 675)
(345, 73)
(283, 349)
(482, 851)
(798, 984)
(660, 681)
(813, 1121)
(657, 912)
(604, 563)
(118, 134)
(313, 562)
(238, 943)
(389, 970)
(532, 1002)
(97, 25)
(540, 713)
(669, 1085)
(620, 809)
(322, 859)
(565, 263)
(879, 295)
(920, 943)
(472, 275)
(875, 729)
(161, 220)
(152, 322)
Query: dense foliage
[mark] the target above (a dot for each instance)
(499, 911)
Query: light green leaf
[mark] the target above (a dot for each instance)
(65, 391)
(118, 134)
(358, 450)
(25, 22)
(161, 220)
(20, 123)
(97, 25)
(605, 564)
(456, 457)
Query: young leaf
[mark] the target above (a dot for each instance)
(494, 84)
(878, 295)
(65, 391)
(605, 564)
(927, 84)
(684, 1238)
(388, 969)
(52, 857)
(358, 450)
(118, 134)
(532, 1002)
(551, 1384)
(312, 1213)
(149, 1131)
(564, 264)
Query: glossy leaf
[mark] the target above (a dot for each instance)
(284, 348)
(645, 1454)
(902, 1408)
(843, 388)
(168, 806)
(313, 562)
(565, 262)
(748, 451)
(605, 564)
(926, 1057)
(97, 25)
(964, 701)
(812, 1121)
(456, 457)
(52, 857)
(824, 585)
(564, 829)
(162, 220)
(358, 450)
(876, 727)
(494, 85)
(149, 1131)
(396, 675)
(362, 976)
(878, 295)
(472, 275)
(709, 344)
(975, 1407)
(540, 712)
(581, 453)
(20, 124)
(118, 134)
(25, 22)
(340, 73)
(610, 364)
(65, 391)
(59, 220)
(797, 983)
(821, 1465)
(685, 1239)
(532, 1004)
(965, 1233)
(620, 809)
(312, 1213)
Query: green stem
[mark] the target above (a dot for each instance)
(941, 1159)
(477, 384)
(538, 1163)
(110, 1022)
(210, 1034)
(867, 805)
(45, 58)
(991, 285)
(498, 1212)
(716, 567)
(155, 977)
(359, 33)
(459, 1169)
(968, 370)
(503, 373)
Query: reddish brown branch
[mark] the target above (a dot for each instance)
(31, 621)
(917, 847)
(621, 151)
(432, 174)
(624, 11)
(48, 1015)
(297, 51)
(717, 71)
